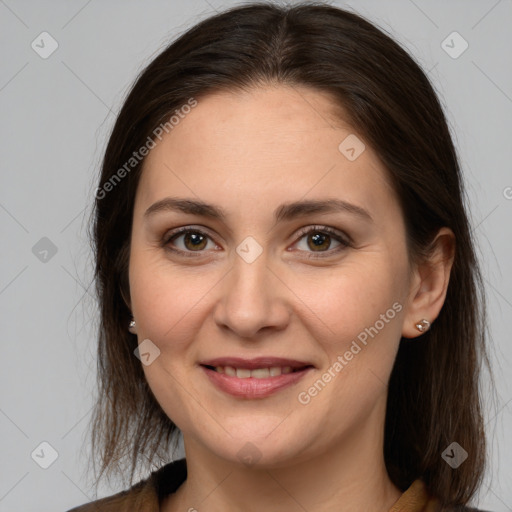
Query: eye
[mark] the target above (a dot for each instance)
(190, 241)
(318, 239)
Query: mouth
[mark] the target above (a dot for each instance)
(258, 373)
(254, 378)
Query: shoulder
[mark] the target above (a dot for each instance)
(144, 496)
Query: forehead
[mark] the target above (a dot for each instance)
(278, 142)
(278, 117)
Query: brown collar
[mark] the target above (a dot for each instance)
(415, 499)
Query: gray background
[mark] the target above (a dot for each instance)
(56, 116)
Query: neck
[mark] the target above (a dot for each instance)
(351, 477)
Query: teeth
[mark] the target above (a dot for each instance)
(241, 373)
(258, 373)
(275, 370)
(229, 370)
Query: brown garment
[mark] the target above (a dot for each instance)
(147, 495)
(415, 499)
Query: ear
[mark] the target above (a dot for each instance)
(429, 283)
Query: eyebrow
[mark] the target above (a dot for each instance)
(284, 212)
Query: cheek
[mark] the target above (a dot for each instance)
(169, 301)
(351, 298)
(357, 322)
(166, 304)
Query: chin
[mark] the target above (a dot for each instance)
(256, 449)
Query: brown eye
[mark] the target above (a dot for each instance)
(186, 241)
(194, 241)
(319, 239)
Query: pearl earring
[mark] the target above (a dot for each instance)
(423, 325)
(131, 327)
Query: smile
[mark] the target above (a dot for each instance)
(259, 381)
(258, 373)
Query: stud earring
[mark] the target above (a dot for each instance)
(131, 327)
(423, 325)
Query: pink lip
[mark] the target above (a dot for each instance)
(251, 387)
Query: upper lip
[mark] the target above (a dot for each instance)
(257, 362)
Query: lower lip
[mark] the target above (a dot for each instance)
(252, 387)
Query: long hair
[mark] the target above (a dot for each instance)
(433, 394)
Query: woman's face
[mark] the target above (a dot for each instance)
(263, 278)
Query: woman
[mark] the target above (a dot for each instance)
(287, 277)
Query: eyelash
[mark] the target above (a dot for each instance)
(345, 242)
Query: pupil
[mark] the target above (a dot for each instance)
(319, 239)
(195, 238)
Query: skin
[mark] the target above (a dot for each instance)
(249, 153)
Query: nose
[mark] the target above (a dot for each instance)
(253, 299)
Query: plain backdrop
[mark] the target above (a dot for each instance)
(57, 113)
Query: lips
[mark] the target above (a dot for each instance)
(254, 378)
(258, 373)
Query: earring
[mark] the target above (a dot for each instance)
(131, 327)
(423, 325)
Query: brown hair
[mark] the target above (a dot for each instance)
(392, 105)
